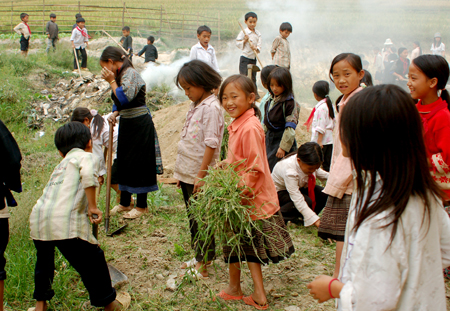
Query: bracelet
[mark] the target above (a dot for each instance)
(112, 82)
(329, 287)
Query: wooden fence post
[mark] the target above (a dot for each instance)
(160, 22)
(218, 29)
(12, 16)
(43, 15)
(182, 30)
(79, 7)
(123, 15)
(198, 25)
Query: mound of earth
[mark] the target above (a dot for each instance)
(169, 123)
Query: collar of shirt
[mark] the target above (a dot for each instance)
(323, 101)
(345, 101)
(207, 100)
(234, 126)
(199, 46)
(248, 32)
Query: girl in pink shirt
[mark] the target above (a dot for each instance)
(346, 72)
(247, 146)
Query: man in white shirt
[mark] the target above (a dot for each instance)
(203, 50)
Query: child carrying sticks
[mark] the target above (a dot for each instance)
(246, 149)
(25, 33)
(199, 147)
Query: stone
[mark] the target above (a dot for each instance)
(292, 308)
(160, 276)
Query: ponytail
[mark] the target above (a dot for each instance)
(322, 89)
(81, 113)
(116, 55)
(446, 96)
(98, 123)
(257, 111)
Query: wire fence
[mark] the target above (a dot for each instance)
(142, 21)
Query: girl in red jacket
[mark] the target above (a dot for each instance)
(428, 76)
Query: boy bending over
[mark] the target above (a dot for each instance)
(61, 217)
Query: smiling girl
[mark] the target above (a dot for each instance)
(246, 149)
(346, 72)
(199, 147)
(280, 116)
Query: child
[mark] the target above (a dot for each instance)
(398, 235)
(151, 53)
(10, 158)
(401, 68)
(138, 152)
(77, 16)
(265, 72)
(428, 76)
(281, 53)
(80, 42)
(199, 147)
(99, 128)
(346, 72)
(438, 48)
(280, 116)
(127, 41)
(203, 50)
(24, 30)
(389, 67)
(52, 33)
(61, 217)
(322, 121)
(246, 148)
(295, 181)
(248, 42)
(417, 50)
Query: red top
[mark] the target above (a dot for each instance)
(247, 142)
(436, 120)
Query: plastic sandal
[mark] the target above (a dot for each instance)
(117, 209)
(226, 297)
(133, 214)
(124, 299)
(249, 301)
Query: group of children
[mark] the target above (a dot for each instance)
(386, 166)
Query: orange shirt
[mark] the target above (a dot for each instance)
(247, 142)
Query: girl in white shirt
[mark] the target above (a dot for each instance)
(397, 238)
(295, 180)
(323, 121)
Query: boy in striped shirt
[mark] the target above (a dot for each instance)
(61, 218)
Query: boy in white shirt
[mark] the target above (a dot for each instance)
(248, 41)
(203, 50)
(79, 41)
(24, 30)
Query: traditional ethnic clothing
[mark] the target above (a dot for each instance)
(247, 147)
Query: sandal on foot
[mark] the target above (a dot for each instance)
(226, 297)
(133, 214)
(194, 274)
(189, 264)
(118, 209)
(124, 299)
(249, 301)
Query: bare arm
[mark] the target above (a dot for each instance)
(207, 158)
(92, 205)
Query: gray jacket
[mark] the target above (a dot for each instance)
(52, 30)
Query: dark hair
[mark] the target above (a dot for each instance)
(286, 26)
(202, 29)
(80, 113)
(322, 89)
(22, 15)
(420, 48)
(246, 85)
(250, 14)
(72, 135)
(265, 72)
(400, 51)
(151, 39)
(382, 131)
(80, 20)
(53, 15)
(367, 79)
(435, 66)
(198, 73)
(78, 15)
(283, 77)
(353, 59)
(310, 153)
(126, 28)
(116, 55)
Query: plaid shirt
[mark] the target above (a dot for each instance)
(61, 212)
(282, 57)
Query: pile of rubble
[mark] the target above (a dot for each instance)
(58, 103)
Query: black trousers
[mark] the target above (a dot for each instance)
(209, 248)
(83, 58)
(89, 261)
(24, 43)
(243, 69)
(4, 238)
(125, 199)
(327, 153)
(291, 213)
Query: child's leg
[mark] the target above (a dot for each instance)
(4, 237)
(259, 294)
(43, 273)
(49, 44)
(125, 199)
(141, 202)
(116, 189)
(83, 58)
(234, 286)
(339, 247)
(243, 62)
(89, 261)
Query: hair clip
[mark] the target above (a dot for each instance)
(94, 112)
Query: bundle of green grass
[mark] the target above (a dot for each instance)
(219, 210)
